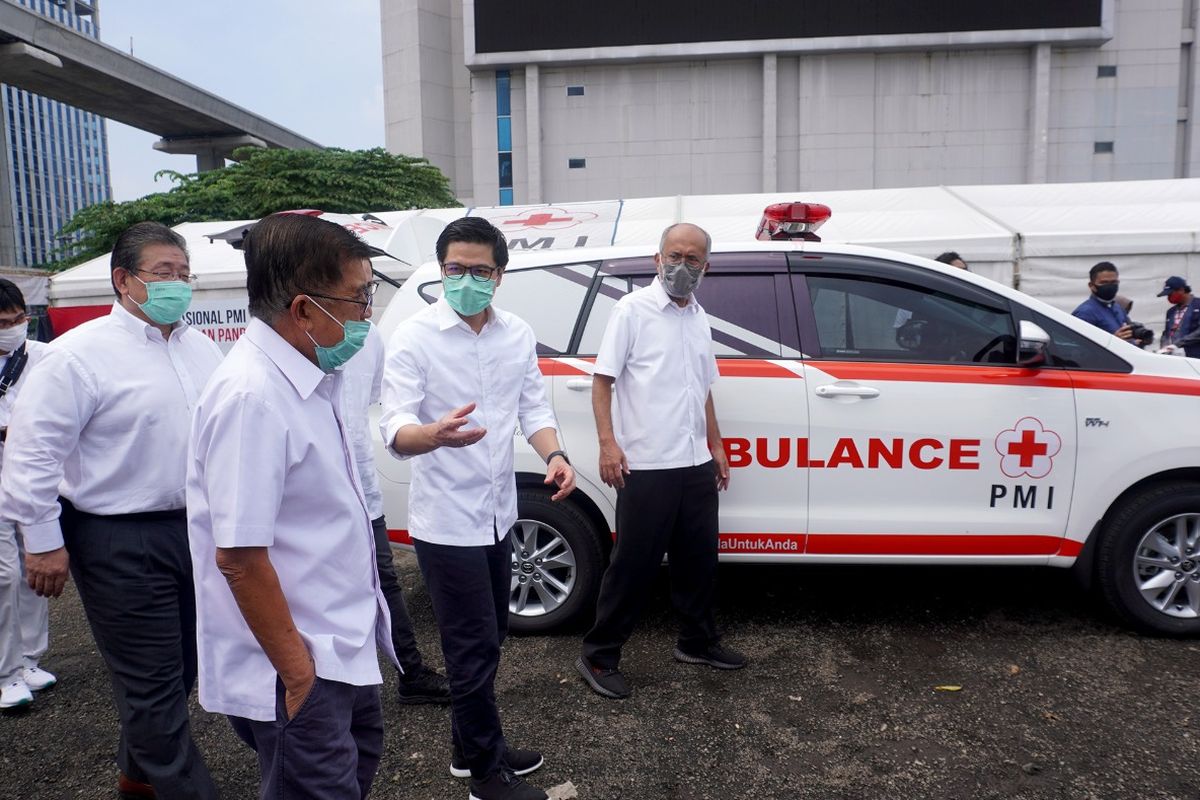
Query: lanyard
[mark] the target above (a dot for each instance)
(1180, 313)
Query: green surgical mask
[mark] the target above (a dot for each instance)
(466, 295)
(166, 301)
(354, 336)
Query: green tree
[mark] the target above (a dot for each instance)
(261, 183)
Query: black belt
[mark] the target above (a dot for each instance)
(173, 515)
(3, 434)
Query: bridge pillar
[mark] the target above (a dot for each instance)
(210, 151)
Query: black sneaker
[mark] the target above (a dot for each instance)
(607, 682)
(714, 655)
(521, 762)
(424, 686)
(504, 785)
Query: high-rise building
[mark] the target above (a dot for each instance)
(527, 101)
(55, 157)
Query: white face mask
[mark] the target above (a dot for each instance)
(14, 337)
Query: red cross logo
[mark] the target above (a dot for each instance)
(1027, 448)
(545, 219)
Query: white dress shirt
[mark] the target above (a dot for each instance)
(662, 359)
(362, 379)
(270, 466)
(103, 421)
(36, 351)
(435, 364)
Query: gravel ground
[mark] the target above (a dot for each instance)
(841, 701)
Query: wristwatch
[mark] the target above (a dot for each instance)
(562, 453)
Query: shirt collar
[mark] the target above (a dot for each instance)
(663, 300)
(448, 317)
(136, 326)
(304, 375)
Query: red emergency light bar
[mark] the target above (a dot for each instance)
(783, 221)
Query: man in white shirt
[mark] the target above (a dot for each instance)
(362, 381)
(103, 423)
(24, 617)
(666, 460)
(460, 376)
(289, 605)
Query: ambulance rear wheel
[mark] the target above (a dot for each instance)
(556, 564)
(1148, 562)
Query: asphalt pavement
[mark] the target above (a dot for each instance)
(865, 682)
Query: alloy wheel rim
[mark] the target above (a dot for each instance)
(543, 569)
(1166, 566)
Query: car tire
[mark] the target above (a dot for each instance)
(1134, 566)
(563, 533)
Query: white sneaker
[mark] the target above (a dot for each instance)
(37, 678)
(15, 693)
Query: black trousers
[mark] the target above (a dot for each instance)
(134, 575)
(469, 587)
(660, 511)
(329, 750)
(403, 641)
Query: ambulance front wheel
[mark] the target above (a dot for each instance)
(556, 563)
(1148, 561)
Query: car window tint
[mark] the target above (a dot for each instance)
(611, 289)
(742, 313)
(867, 319)
(548, 298)
(1071, 350)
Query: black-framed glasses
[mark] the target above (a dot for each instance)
(480, 272)
(365, 298)
(675, 259)
(168, 275)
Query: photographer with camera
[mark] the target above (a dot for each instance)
(1102, 310)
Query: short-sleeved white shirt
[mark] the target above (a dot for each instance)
(435, 363)
(661, 358)
(270, 465)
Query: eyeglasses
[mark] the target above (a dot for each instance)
(6, 324)
(168, 275)
(365, 298)
(675, 259)
(480, 272)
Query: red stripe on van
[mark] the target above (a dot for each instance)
(932, 544)
(552, 366)
(753, 368)
(399, 536)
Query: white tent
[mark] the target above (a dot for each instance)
(1041, 238)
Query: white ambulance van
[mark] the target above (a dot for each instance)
(877, 408)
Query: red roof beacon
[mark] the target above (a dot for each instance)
(783, 221)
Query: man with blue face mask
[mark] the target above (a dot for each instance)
(290, 608)
(460, 377)
(94, 478)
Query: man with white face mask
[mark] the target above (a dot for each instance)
(24, 617)
(94, 478)
(665, 458)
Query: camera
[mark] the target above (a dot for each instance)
(1141, 335)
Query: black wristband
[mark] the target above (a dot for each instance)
(562, 453)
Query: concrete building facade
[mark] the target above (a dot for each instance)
(53, 158)
(527, 101)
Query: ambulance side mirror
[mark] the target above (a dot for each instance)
(1033, 345)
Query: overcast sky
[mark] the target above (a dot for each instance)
(311, 66)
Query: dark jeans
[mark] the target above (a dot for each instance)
(671, 511)
(403, 640)
(469, 587)
(329, 751)
(134, 575)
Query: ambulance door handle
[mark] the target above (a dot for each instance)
(841, 389)
(580, 384)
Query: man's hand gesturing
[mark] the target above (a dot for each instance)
(449, 432)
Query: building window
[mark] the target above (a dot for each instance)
(576, 163)
(504, 135)
(1103, 147)
(574, 91)
(1106, 71)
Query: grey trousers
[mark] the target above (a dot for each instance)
(403, 641)
(134, 575)
(329, 751)
(24, 617)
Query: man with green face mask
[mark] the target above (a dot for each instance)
(460, 377)
(103, 422)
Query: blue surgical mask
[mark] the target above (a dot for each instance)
(166, 301)
(354, 336)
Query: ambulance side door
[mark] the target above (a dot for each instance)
(759, 396)
(926, 439)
